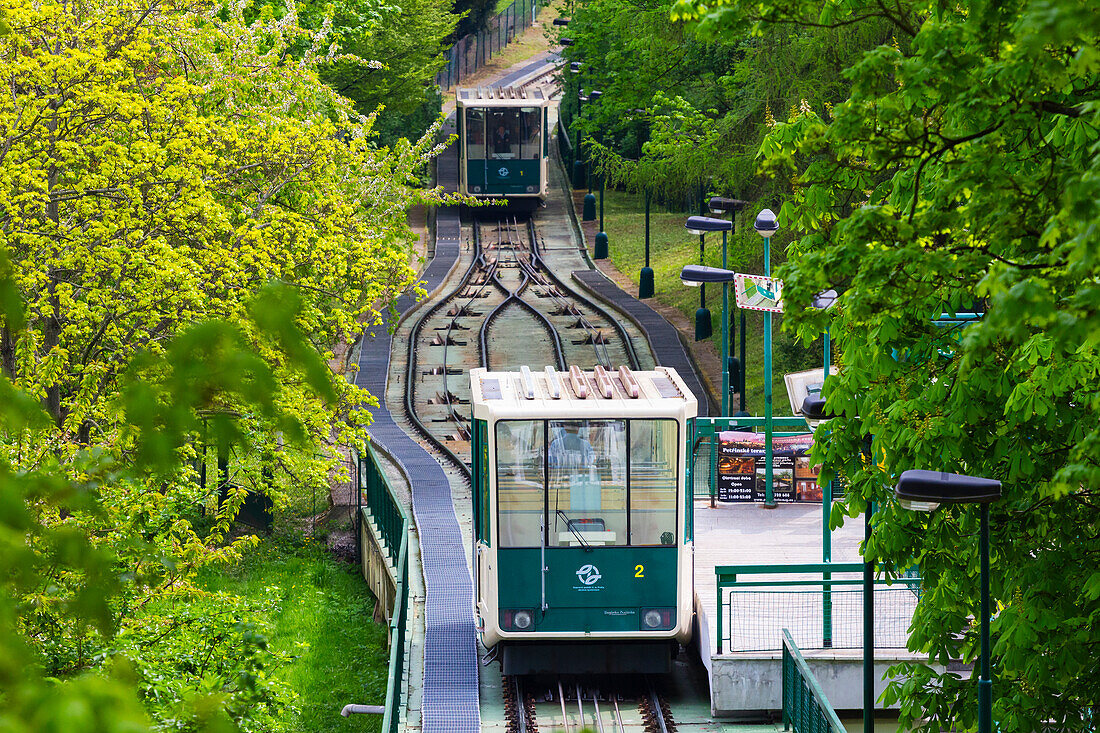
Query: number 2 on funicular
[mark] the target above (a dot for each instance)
(639, 571)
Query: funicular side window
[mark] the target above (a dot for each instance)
(475, 133)
(521, 482)
(654, 472)
(531, 118)
(587, 482)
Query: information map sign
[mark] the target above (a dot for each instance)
(758, 293)
(741, 468)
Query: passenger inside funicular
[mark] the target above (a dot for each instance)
(578, 485)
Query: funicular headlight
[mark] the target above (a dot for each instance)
(658, 619)
(519, 620)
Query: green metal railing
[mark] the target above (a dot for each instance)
(387, 513)
(805, 707)
(389, 516)
(830, 590)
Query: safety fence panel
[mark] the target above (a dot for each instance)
(385, 512)
(472, 51)
(820, 603)
(805, 707)
(388, 514)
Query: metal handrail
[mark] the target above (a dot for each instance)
(706, 425)
(386, 511)
(392, 521)
(726, 577)
(805, 706)
(392, 719)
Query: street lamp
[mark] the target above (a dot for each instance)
(813, 412)
(575, 69)
(701, 225)
(645, 277)
(588, 212)
(766, 226)
(924, 491)
(702, 313)
(723, 205)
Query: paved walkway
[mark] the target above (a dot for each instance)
(749, 534)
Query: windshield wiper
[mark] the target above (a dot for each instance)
(571, 528)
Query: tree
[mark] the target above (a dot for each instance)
(389, 55)
(690, 102)
(962, 166)
(475, 16)
(159, 166)
(58, 565)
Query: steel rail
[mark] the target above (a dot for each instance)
(618, 714)
(479, 262)
(410, 377)
(537, 269)
(658, 711)
(615, 323)
(483, 335)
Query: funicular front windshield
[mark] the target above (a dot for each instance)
(503, 133)
(596, 482)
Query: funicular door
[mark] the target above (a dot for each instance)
(504, 145)
(564, 518)
(596, 581)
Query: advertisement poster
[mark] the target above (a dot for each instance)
(741, 468)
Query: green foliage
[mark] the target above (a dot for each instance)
(66, 592)
(191, 226)
(683, 106)
(208, 652)
(386, 59)
(963, 164)
(320, 616)
(475, 15)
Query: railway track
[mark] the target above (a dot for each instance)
(508, 310)
(572, 705)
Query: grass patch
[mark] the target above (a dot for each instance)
(671, 247)
(323, 618)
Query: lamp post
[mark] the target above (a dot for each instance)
(766, 226)
(588, 212)
(575, 68)
(813, 410)
(600, 251)
(645, 278)
(722, 205)
(701, 225)
(924, 491)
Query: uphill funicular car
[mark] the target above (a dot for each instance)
(503, 140)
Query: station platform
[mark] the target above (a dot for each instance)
(745, 676)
